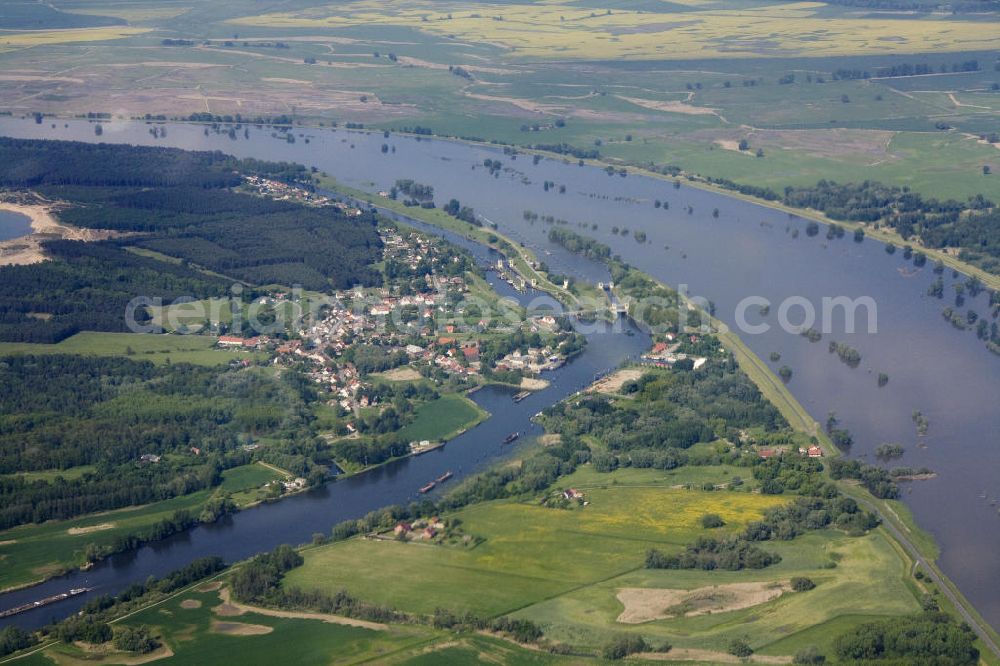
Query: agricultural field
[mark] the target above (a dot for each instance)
(619, 79)
(565, 569)
(158, 349)
(869, 580)
(530, 552)
(198, 630)
(12, 41)
(566, 30)
(577, 573)
(197, 627)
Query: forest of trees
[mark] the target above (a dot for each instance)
(88, 287)
(877, 480)
(670, 412)
(59, 412)
(579, 244)
(177, 203)
(973, 226)
(931, 637)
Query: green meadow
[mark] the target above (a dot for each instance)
(443, 418)
(530, 552)
(869, 580)
(191, 631)
(32, 552)
(563, 568)
(158, 349)
(193, 634)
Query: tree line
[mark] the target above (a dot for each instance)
(182, 205)
(59, 412)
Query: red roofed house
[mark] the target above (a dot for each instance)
(766, 453)
(230, 341)
(815, 452)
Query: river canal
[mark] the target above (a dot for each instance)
(725, 250)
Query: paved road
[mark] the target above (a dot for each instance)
(933, 574)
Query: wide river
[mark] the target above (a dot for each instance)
(725, 250)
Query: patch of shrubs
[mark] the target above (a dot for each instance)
(733, 554)
(522, 631)
(13, 639)
(261, 575)
(809, 655)
(135, 639)
(84, 628)
(926, 638)
(802, 584)
(623, 646)
(739, 647)
(711, 521)
(877, 480)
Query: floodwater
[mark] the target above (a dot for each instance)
(723, 249)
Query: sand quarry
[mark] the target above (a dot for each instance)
(644, 604)
(28, 249)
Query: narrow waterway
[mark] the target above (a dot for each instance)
(725, 250)
(295, 519)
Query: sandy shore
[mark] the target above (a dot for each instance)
(614, 382)
(44, 226)
(40, 216)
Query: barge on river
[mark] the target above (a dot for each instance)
(55, 598)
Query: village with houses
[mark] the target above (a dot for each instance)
(435, 322)
(279, 191)
(666, 354)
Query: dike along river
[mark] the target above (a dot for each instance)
(725, 250)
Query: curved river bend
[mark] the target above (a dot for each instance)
(744, 250)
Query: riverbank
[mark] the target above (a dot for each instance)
(48, 550)
(991, 280)
(890, 237)
(905, 534)
(27, 250)
(35, 553)
(819, 400)
(435, 422)
(911, 541)
(523, 261)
